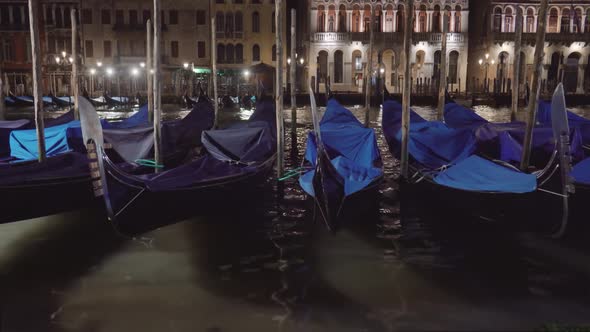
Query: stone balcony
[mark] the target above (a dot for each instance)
(555, 38)
(384, 37)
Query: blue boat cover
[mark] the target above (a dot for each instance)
(511, 142)
(457, 116)
(23, 143)
(581, 172)
(9, 101)
(140, 118)
(6, 127)
(352, 148)
(478, 174)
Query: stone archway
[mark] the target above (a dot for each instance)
(571, 72)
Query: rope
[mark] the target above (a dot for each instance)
(148, 163)
(292, 173)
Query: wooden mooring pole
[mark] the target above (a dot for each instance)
(149, 72)
(37, 88)
(536, 85)
(2, 109)
(407, 88)
(214, 70)
(157, 85)
(369, 77)
(293, 79)
(516, 66)
(442, 77)
(279, 88)
(75, 81)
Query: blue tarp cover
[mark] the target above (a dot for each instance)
(140, 118)
(352, 148)
(23, 143)
(6, 127)
(457, 116)
(478, 174)
(581, 172)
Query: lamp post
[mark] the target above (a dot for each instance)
(299, 62)
(487, 65)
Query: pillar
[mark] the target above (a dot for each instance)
(558, 22)
(429, 21)
(583, 24)
(452, 28)
(395, 20)
(535, 23)
(503, 29)
(581, 72)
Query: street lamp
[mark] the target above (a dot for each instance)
(142, 64)
(110, 71)
(185, 65)
(99, 64)
(289, 61)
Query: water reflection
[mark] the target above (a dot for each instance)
(270, 267)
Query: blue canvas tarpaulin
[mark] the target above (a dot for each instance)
(457, 116)
(581, 172)
(351, 147)
(23, 143)
(478, 174)
(6, 127)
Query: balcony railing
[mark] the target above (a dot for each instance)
(385, 37)
(229, 34)
(530, 38)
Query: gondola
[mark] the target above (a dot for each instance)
(233, 163)
(345, 164)
(9, 101)
(63, 182)
(62, 102)
(503, 141)
(446, 172)
(113, 101)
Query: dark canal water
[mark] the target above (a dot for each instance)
(267, 268)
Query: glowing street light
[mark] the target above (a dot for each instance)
(63, 54)
(301, 61)
(382, 71)
(246, 73)
(92, 71)
(57, 60)
(110, 71)
(480, 62)
(134, 71)
(142, 64)
(71, 60)
(99, 64)
(288, 61)
(185, 65)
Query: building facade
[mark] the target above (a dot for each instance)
(567, 46)
(112, 43)
(339, 42)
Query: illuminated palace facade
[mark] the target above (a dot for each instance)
(567, 46)
(339, 42)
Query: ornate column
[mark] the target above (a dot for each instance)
(383, 20)
(429, 21)
(394, 20)
(503, 23)
(535, 23)
(362, 22)
(583, 24)
(559, 22)
(349, 19)
(452, 27)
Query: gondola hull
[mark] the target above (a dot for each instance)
(149, 210)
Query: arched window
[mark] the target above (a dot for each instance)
(497, 20)
(332, 19)
(239, 53)
(342, 19)
(239, 22)
(577, 21)
(453, 67)
(357, 67)
(229, 24)
(367, 22)
(356, 19)
(572, 65)
(255, 22)
(553, 18)
(400, 18)
(422, 18)
(378, 19)
(229, 53)
(389, 18)
(457, 19)
(274, 52)
(219, 23)
(508, 20)
(338, 67)
(436, 70)
(323, 55)
(448, 15)
(565, 20)
(553, 69)
(256, 53)
(530, 21)
(220, 53)
(436, 19)
(321, 19)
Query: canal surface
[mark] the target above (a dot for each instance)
(269, 268)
